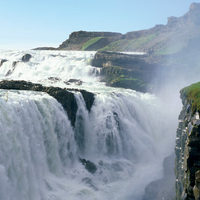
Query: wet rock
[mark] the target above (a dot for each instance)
(89, 99)
(125, 70)
(3, 61)
(90, 166)
(64, 96)
(76, 81)
(10, 71)
(26, 57)
(54, 79)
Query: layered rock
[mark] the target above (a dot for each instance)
(125, 70)
(78, 39)
(64, 96)
(187, 165)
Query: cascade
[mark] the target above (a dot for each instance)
(123, 138)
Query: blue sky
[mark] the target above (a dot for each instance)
(27, 24)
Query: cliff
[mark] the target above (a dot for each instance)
(89, 41)
(125, 70)
(177, 35)
(187, 149)
(63, 96)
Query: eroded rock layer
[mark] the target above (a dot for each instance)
(187, 164)
(63, 96)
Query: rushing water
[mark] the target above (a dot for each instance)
(126, 134)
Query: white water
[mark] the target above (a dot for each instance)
(126, 134)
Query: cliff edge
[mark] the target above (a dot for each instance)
(187, 149)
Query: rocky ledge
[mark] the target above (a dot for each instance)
(187, 149)
(63, 96)
(126, 70)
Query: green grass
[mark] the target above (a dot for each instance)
(90, 42)
(115, 46)
(192, 94)
(129, 45)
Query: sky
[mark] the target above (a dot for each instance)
(27, 24)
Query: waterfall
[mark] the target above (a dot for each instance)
(125, 136)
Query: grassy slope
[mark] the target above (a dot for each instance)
(192, 93)
(129, 45)
(90, 42)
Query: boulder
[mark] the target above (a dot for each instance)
(90, 166)
(26, 57)
(3, 61)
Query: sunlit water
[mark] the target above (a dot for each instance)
(126, 135)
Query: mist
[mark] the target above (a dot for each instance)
(174, 72)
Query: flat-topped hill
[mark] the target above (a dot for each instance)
(178, 34)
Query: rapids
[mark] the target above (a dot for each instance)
(126, 134)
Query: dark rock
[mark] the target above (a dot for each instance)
(187, 149)
(54, 79)
(26, 57)
(14, 64)
(108, 59)
(64, 96)
(90, 166)
(3, 61)
(45, 48)
(76, 81)
(89, 98)
(10, 71)
(127, 71)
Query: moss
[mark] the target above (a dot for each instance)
(131, 83)
(90, 42)
(192, 94)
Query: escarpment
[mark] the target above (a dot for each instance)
(187, 149)
(64, 96)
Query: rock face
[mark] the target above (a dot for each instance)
(124, 70)
(187, 165)
(26, 57)
(90, 166)
(78, 39)
(64, 96)
(2, 61)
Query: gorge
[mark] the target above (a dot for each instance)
(97, 117)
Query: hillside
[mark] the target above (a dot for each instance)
(178, 34)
